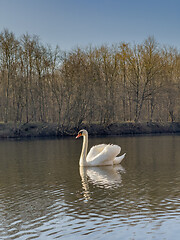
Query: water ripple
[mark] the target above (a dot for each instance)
(51, 198)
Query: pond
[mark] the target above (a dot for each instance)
(45, 195)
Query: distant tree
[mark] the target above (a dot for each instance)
(104, 84)
(8, 58)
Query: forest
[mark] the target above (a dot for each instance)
(104, 84)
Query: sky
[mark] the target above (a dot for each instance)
(79, 23)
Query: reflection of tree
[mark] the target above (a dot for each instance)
(40, 183)
(32, 180)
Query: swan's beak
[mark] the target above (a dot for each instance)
(79, 135)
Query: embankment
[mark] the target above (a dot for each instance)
(31, 130)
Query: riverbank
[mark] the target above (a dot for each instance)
(32, 130)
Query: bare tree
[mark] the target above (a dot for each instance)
(105, 84)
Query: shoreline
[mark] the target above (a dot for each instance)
(42, 130)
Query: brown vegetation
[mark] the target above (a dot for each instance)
(31, 130)
(97, 85)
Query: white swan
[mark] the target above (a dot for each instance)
(99, 155)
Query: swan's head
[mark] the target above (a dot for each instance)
(81, 133)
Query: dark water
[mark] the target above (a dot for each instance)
(44, 194)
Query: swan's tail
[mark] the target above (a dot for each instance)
(118, 160)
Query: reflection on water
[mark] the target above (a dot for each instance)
(102, 177)
(45, 195)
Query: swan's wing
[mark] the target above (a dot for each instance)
(118, 160)
(94, 151)
(106, 156)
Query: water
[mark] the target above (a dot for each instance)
(45, 195)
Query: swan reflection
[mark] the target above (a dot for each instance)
(102, 177)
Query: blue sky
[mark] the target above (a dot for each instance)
(72, 23)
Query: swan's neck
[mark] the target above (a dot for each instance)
(82, 161)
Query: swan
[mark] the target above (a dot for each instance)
(99, 155)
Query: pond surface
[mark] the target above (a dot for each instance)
(45, 195)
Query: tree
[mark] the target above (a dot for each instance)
(8, 56)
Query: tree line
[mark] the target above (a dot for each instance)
(105, 84)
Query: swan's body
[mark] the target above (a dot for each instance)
(99, 155)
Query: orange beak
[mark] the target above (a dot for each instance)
(79, 135)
